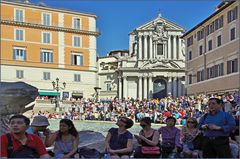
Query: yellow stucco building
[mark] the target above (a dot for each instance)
(40, 44)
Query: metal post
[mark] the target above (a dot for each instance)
(57, 88)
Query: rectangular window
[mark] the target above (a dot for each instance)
(19, 15)
(46, 38)
(200, 34)
(190, 41)
(210, 28)
(200, 50)
(19, 74)
(76, 41)
(77, 59)
(76, 23)
(46, 19)
(232, 34)
(219, 23)
(219, 40)
(232, 66)
(77, 77)
(19, 54)
(46, 57)
(209, 45)
(200, 75)
(190, 55)
(232, 15)
(219, 70)
(159, 49)
(109, 87)
(46, 76)
(190, 79)
(210, 72)
(19, 34)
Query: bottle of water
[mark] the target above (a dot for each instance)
(106, 156)
(171, 155)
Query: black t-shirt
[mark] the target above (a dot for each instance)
(119, 141)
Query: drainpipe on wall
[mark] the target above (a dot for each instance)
(238, 55)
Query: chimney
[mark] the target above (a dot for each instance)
(222, 4)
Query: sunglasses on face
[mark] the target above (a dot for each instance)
(191, 122)
(122, 120)
(143, 125)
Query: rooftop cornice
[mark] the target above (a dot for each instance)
(53, 28)
(30, 5)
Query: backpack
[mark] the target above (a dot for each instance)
(89, 153)
(23, 151)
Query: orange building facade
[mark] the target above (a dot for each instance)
(40, 44)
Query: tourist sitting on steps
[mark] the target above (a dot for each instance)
(170, 138)
(39, 126)
(18, 143)
(148, 138)
(118, 142)
(66, 140)
(188, 134)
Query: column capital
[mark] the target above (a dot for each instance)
(145, 75)
(169, 79)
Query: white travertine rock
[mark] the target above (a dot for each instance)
(14, 96)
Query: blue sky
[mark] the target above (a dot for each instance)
(117, 18)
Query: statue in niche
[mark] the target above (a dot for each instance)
(183, 47)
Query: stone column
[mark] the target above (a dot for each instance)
(179, 87)
(154, 49)
(169, 85)
(175, 87)
(140, 47)
(145, 47)
(125, 87)
(155, 54)
(174, 47)
(169, 48)
(180, 49)
(119, 87)
(150, 47)
(166, 51)
(140, 87)
(145, 87)
(150, 86)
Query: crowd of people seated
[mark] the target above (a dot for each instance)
(212, 118)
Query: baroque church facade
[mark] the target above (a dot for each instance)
(154, 67)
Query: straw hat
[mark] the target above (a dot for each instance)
(40, 121)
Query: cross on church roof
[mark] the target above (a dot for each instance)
(159, 13)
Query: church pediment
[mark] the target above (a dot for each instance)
(151, 25)
(160, 63)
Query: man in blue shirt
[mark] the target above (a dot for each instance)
(216, 126)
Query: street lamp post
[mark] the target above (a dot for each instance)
(58, 88)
